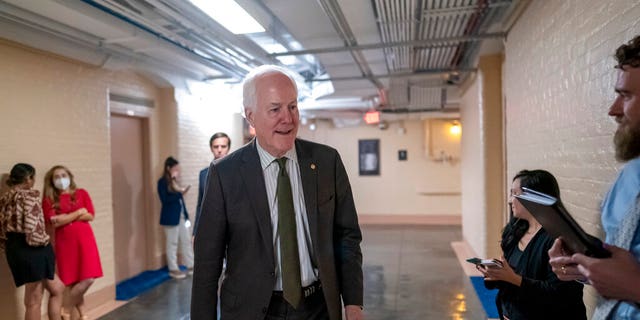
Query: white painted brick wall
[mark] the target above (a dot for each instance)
(558, 85)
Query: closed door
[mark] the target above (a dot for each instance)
(127, 185)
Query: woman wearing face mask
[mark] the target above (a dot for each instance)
(69, 210)
(26, 243)
(175, 219)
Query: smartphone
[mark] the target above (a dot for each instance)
(489, 263)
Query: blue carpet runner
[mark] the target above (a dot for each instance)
(487, 297)
(143, 282)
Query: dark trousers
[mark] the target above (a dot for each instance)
(312, 307)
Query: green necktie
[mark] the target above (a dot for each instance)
(289, 258)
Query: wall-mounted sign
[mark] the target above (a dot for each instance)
(369, 157)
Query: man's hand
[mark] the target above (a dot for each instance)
(562, 263)
(617, 277)
(353, 312)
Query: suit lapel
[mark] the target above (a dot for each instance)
(253, 178)
(309, 176)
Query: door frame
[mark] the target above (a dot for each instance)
(143, 113)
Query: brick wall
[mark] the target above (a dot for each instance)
(483, 196)
(198, 118)
(558, 85)
(474, 208)
(54, 111)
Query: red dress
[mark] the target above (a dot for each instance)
(75, 245)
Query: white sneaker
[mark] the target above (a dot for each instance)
(177, 274)
(190, 271)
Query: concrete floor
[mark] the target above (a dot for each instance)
(410, 272)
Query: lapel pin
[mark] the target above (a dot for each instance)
(313, 166)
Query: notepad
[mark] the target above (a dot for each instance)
(555, 219)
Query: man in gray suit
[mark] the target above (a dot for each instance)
(277, 202)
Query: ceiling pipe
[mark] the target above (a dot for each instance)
(277, 30)
(410, 110)
(462, 9)
(222, 66)
(40, 32)
(429, 43)
(335, 15)
(472, 26)
(400, 74)
(201, 25)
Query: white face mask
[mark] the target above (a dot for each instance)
(62, 183)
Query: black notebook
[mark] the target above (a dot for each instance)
(555, 219)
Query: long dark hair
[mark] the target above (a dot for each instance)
(539, 180)
(19, 173)
(169, 163)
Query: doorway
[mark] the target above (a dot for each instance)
(130, 214)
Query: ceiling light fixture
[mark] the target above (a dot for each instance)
(455, 128)
(230, 15)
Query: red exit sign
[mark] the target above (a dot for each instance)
(372, 117)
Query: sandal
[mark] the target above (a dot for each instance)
(80, 316)
(65, 315)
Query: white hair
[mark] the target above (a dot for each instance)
(249, 84)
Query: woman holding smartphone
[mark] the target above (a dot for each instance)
(528, 288)
(175, 219)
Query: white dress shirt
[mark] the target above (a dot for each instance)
(270, 170)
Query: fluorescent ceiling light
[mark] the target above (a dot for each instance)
(276, 47)
(230, 15)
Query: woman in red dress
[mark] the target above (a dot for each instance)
(69, 210)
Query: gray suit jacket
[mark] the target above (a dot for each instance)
(235, 221)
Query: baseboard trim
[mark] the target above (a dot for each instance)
(102, 301)
(463, 252)
(409, 219)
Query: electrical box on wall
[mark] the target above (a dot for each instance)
(402, 155)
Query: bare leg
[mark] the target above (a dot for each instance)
(33, 300)
(56, 291)
(76, 296)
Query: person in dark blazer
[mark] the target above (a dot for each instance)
(528, 288)
(220, 143)
(175, 219)
(243, 220)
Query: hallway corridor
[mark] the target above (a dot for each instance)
(410, 273)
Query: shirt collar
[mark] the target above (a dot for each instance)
(266, 158)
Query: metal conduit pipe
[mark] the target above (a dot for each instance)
(224, 67)
(427, 43)
(233, 64)
(219, 41)
(335, 15)
(277, 32)
(410, 110)
(401, 74)
(84, 41)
